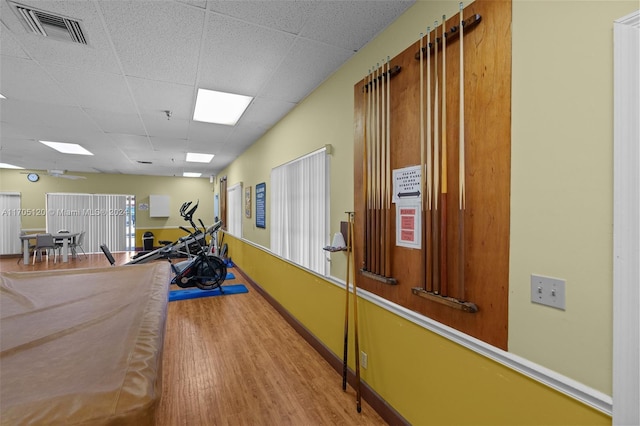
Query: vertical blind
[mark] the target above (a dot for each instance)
(103, 217)
(299, 210)
(10, 222)
(234, 210)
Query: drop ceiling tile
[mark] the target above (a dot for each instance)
(175, 128)
(239, 57)
(302, 71)
(33, 115)
(288, 16)
(170, 145)
(159, 40)
(207, 132)
(154, 97)
(25, 80)
(130, 142)
(265, 112)
(351, 24)
(114, 122)
(8, 44)
(103, 91)
(202, 4)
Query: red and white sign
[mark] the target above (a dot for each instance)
(408, 225)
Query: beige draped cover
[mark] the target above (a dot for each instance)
(82, 346)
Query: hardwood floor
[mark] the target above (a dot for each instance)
(233, 360)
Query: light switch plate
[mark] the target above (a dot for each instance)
(548, 291)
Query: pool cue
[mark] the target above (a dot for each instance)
(428, 169)
(378, 171)
(461, 168)
(423, 167)
(443, 170)
(367, 93)
(346, 309)
(383, 176)
(388, 187)
(374, 77)
(436, 172)
(355, 319)
(383, 162)
(368, 219)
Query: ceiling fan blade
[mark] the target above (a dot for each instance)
(73, 177)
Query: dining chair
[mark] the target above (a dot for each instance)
(77, 244)
(45, 242)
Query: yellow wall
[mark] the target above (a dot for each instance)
(561, 205)
(178, 189)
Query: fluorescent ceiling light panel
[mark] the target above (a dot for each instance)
(194, 157)
(191, 174)
(67, 148)
(9, 166)
(219, 107)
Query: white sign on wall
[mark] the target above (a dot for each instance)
(406, 184)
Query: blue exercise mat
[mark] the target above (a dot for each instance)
(230, 276)
(194, 293)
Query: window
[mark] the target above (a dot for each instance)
(10, 223)
(299, 210)
(105, 218)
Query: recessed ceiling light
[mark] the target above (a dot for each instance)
(2, 96)
(220, 107)
(67, 148)
(191, 174)
(9, 166)
(194, 157)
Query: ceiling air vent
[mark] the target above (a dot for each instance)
(49, 25)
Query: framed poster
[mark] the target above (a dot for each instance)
(261, 204)
(247, 202)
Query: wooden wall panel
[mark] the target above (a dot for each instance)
(487, 56)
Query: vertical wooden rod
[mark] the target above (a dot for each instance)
(383, 176)
(374, 76)
(367, 174)
(423, 167)
(355, 316)
(461, 169)
(436, 171)
(443, 190)
(346, 308)
(387, 167)
(429, 172)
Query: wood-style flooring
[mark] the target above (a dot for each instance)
(233, 360)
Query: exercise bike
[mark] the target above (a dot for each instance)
(204, 270)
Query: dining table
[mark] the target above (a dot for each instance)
(65, 237)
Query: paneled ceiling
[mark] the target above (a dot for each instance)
(144, 58)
